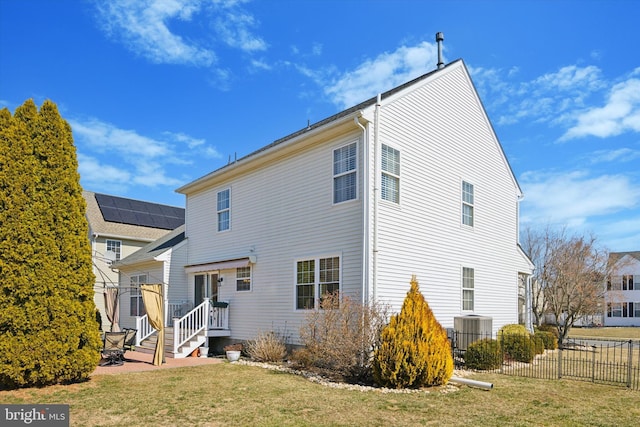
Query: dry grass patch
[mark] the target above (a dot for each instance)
(613, 333)
(224, 394)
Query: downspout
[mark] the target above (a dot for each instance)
(365, 213)
(376, 190)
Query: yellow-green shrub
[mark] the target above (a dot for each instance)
(414, 350)
(483, 354)
(517, 343)
(549, 340)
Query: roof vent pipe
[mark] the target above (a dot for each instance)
(439, 40)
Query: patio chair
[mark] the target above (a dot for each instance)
(130, 339)
(113, 349)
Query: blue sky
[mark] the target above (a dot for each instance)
(159, 93)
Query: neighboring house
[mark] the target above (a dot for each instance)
(413, 181)
(622, 296)
(118, 227)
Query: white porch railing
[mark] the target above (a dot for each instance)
(145, 330)
(204, 317)
(176, 309)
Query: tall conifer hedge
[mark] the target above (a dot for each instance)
(48, 331)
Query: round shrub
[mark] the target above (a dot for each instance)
(538, 344)
(484, 354)
(517, 343)
(548, 328)
(548, 339)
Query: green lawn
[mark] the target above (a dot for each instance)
(240, 395)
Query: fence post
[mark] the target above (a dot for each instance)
(593, 364)
(629, 363)
(559, 361)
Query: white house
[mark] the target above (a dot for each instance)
(413, 181)
(622, 296)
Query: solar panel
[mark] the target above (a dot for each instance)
(136, 212)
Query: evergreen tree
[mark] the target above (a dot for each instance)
(48, 332)
(414, 350)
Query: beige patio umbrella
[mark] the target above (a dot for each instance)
(152, 298)
(111, 308)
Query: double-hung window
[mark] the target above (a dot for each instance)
(137, 305)
(345, 173)
(114, 248)
(467, 204)
(243, 279)
(315, 278)
(224, 210)
(390, 174)
(468, 286)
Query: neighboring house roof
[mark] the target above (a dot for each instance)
(154, 249)
(118, 217)
(348, 113)
(617, 256)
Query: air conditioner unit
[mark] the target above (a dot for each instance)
(471, 328)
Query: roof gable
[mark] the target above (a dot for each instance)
(360, 110)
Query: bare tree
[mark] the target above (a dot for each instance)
(569, 277)
(573, 280)
(537, 245)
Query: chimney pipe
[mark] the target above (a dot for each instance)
(439, 40)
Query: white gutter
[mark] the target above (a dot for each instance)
(376, 191)
(365, 213)
(120, 237)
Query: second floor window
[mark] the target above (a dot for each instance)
(344, 173)
(390, 174)
(114, 248)
(467, 204)
(224, 210)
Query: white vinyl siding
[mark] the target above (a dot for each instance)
(448, 140)
(390, 174)
(345, 173)
(224, 209)
(282, 210)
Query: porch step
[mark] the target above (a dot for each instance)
(149, 345)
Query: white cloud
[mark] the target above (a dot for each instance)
(550, 98)
(620, 114)
(622, 235)
(382, 73)
(140, 159)
(572, 198)
(621, 155)
(104, 137)
(234, 27)
(143, 27)
(98, 176)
